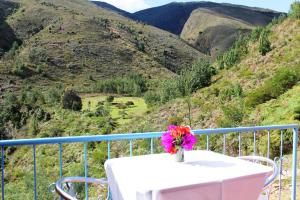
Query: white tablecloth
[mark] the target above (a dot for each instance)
(204, 175)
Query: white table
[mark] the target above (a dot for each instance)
(204, 175)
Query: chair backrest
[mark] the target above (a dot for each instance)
(67, 180)
(269, 162)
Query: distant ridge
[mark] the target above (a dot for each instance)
(110, 7)
(173, 16)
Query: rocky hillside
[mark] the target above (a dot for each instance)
(76, 43)
(172, 17)
(213, 33)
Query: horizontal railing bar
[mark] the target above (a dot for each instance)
(80, 139)
(245, 129)
(133, 136)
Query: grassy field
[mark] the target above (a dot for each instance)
(138, 109)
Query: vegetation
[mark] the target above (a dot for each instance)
(295, 10)
(133, 85)
(71, 100)
(264, 43)
(258, 83)
(282, 81)
(234, 55)
(187, 82)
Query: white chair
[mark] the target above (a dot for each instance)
(265, 195)
(67, 183)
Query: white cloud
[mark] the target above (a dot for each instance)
(128, 5)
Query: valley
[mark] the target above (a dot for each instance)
(72, 68)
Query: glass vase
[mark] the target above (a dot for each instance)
(179, 157)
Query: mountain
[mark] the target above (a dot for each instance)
(173, 16)
(77, 44)
(210, 27)
(213, 33)
(112, 8)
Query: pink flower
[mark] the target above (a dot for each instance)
(178, 137)
(188, 141)
(167, 142)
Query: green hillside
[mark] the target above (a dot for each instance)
(245, 93)
(75, 40)
(81, 70)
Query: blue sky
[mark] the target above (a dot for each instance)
(135, 5)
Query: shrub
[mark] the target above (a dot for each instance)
(297, 113)
(264, 43)
(13, 50)
(71, 100)
(152, 98)
(201, 74)
(37, 55)
(33, 126)
(188, 81)
(107, 125)
(283, 80)
(255, 34)
(169, 90)
(102, 111)
(121, 106)
(278, 20)
(231, 92)
(54, 94)
(232, 56)
(129, 103)
(233, 114)
(110, 99)
(295, 10)
(56, 132)
(19, 69)
(132, 84)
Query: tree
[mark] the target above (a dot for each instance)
(264, 43)
(71, 101)
(295, 10)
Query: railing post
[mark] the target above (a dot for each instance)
(280, 163)
(34, 173)
(224, 144)
(240, 138)
(207, 142)
(130, 148)
(60, 161)
(294, 170)
(254, 142)
(152, 146)
(108, 150)
(86, 172)
(2, 171)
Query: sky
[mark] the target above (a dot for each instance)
(136, 5)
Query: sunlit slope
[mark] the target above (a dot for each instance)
(72, 41)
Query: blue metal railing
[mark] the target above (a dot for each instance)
(152, 136)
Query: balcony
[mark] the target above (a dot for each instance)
(284, 188)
